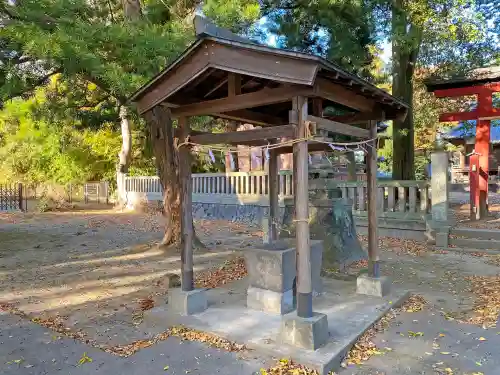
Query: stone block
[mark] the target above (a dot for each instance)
(316, 266)
(188, 303)
(271, 267)
(442, 237)
(373, 286)
(306, 333)
(270, 301)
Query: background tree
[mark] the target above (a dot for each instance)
(448, 35)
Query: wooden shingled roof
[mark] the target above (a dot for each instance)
(198, 81)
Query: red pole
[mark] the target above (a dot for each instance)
(483, 150)
(473, 185)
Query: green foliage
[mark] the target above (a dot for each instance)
(34, 150)
(342, 31)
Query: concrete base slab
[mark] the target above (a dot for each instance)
(188, 303)
(306, 333)
(373, 286)
(270, 301)
(349, 315)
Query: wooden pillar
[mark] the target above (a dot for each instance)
(273, 169)
(371, 169)
(187, 229)
(300, 167)
(483, 150)
(351, 167)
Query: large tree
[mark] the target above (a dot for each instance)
(447, 35)
(111, 44)
(116, 45)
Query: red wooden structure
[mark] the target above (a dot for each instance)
(482, 83)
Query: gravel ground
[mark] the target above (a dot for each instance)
(93, 268)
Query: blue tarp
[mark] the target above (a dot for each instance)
(463, 130)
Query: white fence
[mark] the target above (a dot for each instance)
(408, 199)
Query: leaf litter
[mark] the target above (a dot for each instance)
(487, 306)
(183, 333)
(365, 348)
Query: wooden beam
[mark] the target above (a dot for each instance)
(469, 90)
(338, 94)
(233, 84)
(252, 117)
(491, 114)
(216, 87)
(300, 167)
(338, 127)
(371, 165)
(187, 230)
(358, 118)
(273, 195)
(311, 147)
(458, 116)
(243, 101)
(245, 136)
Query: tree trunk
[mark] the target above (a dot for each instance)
(403, 65)
(123, 156)
(167, 162)
(132, 9)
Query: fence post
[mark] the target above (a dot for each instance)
(20, 193)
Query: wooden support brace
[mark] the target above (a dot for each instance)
(301, 162)
(338, 127)
(243, 137)
(371, 164)
(243, 101)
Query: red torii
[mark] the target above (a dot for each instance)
(482, 83)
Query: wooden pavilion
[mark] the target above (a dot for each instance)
(284, 92)
(481, 83)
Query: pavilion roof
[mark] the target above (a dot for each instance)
(200, 74)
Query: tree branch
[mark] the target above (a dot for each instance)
(32, 86)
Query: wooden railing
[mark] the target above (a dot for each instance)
(240, 183)
(143, 184)
(395, 198)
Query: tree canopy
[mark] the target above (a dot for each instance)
(71, 64)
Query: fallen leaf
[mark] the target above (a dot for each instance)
(85, 359)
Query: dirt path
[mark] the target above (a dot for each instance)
(93, 269)
(90, 271)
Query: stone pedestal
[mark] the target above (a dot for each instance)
(272, 269)
(188, 303)
(373, 286)
(306, 333)
(270, 301)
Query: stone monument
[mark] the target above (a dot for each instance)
(332, 222)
